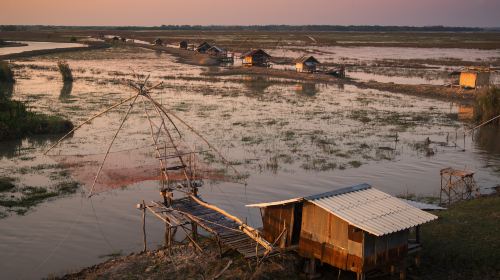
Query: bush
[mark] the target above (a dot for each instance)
(487, 104)
(65, 71)
(17, 122)
(6, 74)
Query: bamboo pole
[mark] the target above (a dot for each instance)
(155, 141)
(157, 109)
(111, 144)
(87, 121)
(166, 111)
(144, 225)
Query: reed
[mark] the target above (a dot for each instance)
(6, 73)
(65, 71)
(487, 105)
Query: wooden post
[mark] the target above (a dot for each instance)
(144, 225)
(194, 231)
(417, 234)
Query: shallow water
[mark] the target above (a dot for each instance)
(36, 46)
(293, 139)
(335, 54)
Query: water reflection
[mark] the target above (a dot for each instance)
(308, 89)
(66, 90)
(6, 90)
(257, 84)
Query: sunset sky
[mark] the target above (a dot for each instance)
(481, 13)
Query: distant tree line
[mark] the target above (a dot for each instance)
(333, 28)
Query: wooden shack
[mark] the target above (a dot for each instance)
(474, 77)
(306, 64)
(358, 228)
(203, 47)
(216, 51)
(158, 42)
(183, 45)
(256, 57)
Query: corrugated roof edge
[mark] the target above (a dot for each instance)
(355, 188)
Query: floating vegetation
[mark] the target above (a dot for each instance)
(65, 71)
(6, 184)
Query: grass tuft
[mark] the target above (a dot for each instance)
(6, 73)
(487, 105)
(65, 71)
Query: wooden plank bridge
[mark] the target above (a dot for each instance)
(227, 230)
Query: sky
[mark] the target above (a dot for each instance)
(473, 13)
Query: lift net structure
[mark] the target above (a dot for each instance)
(150, 143)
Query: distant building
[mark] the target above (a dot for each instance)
(203, 47)
(358, 228)
(306, 64)
(256, 57)
(183, 45)
(216, 51)
(158, 42)
(475, 77)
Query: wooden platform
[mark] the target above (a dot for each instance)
(226, 231)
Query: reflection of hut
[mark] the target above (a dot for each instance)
(358, 228)
(256, 58)
(216, 51)
(203, 47)
(475, 77)
(183, 45)
(465, 112)
(307, 64)
(158, 42)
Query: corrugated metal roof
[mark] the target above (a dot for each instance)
(371, 210)
(274, 203)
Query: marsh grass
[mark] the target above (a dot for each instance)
(16, 121)
(65, 71)
(6, 184)
(6, 73)
(463, 242)
(487, 105)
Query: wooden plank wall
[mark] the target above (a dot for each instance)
(275, 219)
(333, 242)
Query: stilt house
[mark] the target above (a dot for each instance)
(158, 42)
(203, 47)
(306, 64)
(216, 51)
(475, 77)
(256, 58)
(183, 45)
(357, 229)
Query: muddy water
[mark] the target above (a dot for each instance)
(291, 138)
(36, 46)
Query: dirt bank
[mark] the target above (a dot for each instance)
(434, 91)
(182, 262)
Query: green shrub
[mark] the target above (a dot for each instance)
(6, 74)
(487, 104)
(65, 71)
(16, 121)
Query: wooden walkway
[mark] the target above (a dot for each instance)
(226, 231)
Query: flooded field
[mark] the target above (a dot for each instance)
(289, 138)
